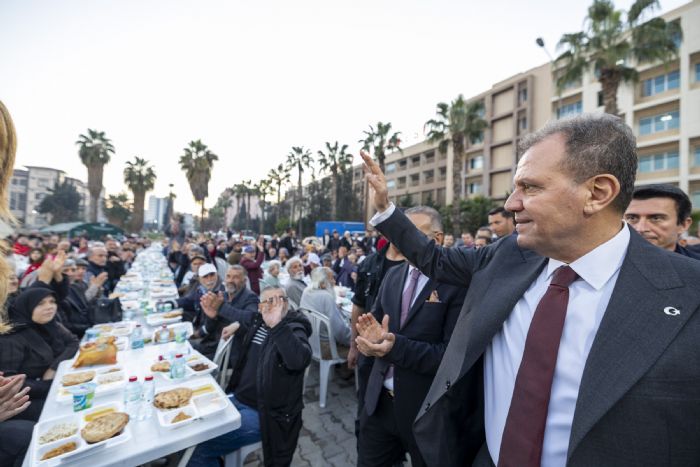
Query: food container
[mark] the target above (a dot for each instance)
(159, 319)
(108, 380)
(78, 422)
(201, 365)
(166, 418)
(210, 403)
(189, 330)
(83, 394)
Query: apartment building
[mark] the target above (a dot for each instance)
(663, 108)
(31, 185)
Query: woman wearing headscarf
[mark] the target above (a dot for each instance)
(36, 344)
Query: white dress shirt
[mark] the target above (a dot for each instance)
(588, 299)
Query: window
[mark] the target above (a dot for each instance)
(601, 99)
(568, 110)
(474, 188)
(522, 95)
(415, 179)
(442, 173)
(429, 176)
(479, 139)
(402, 164)
(430, 157)
(415, 161)
(402, 182)
(391, 167)
(522, 124)
(391, 184)
(697, 72)
(661, 83)
(658, 162)
(658, 123)
(695, 198)
(39, 196)
(42, 182)
(476, 162)
(696, 156)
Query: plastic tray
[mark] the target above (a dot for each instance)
(64, 396)
(83, 448)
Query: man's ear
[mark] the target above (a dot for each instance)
(602, 190)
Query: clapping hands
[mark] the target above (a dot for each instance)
(13, 398)
(211, 303)
(374, 340)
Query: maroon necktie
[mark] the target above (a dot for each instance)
(521, 445)
(406, 300)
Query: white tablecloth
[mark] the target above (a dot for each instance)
(149, 441)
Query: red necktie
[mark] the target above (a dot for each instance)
(521, 445)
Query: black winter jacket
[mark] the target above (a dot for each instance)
(280, 379)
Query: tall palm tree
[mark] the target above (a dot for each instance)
(262, 189)
(334, 160)
(459, 123)
(610, 43)
(381, 141)
(249, 190)
(140, 178)
(239, 192)
(277, 177)
(299, 159)
(95, 151)
(197, 163)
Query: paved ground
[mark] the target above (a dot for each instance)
(328, 435)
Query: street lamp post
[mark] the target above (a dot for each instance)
(540, 43)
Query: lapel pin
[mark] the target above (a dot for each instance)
(671, 311)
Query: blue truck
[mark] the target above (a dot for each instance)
(340, 226)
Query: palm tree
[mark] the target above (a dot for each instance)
(95, 150)
(380, 142)
(239, 193)
(262, 189)
(459, 123)
(249, 190)
(140, 178)
(197, 163)
(334, 160)
(277, 177)
(299, 159)
(609, 44)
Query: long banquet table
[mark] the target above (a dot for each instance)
(149, 441)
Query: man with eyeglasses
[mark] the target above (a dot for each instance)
(272, 351)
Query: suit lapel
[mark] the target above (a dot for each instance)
(633, 334)
(485, 316)
(422, 296)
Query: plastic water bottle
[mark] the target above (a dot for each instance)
(181, 346)
(148, 392)
(163, 334)
(137, 338)
(132, 397)
(177, 368)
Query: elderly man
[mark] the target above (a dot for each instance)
(272, 352)
(296, 285)
(207, 281)
(320, 296)
(661, 214)
(577, 342)
(97, 264)
(236, 298)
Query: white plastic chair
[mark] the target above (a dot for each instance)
(221, 358)
(237, 458)
(318, 319)
(294, 306)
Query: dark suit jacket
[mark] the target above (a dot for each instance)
(420, 342)
(639, 398)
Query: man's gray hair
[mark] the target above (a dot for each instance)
(238, 267)
(320, 280)
(595, 144)
(272, 289)
(274, 263)
(435, 218)
(292, 260)
(94, 248)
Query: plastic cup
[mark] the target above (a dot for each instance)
(83, 396)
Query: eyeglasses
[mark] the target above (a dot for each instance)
(272, 300)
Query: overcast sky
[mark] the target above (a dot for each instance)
(251, 79)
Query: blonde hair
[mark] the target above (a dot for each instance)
(8, 149)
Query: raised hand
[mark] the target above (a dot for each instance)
(45, 272)
(211, 303)
(377, 182)
(230, 330)
(370, 329)
(99, 279)
(58, 261)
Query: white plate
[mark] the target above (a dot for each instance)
(202, 359)
(64, 396)
(165, 417)
(210, 404)
(157, 319)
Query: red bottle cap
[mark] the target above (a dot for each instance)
(132, 379)
(178, 355)
(149, 378)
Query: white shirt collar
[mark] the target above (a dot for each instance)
(598, 265)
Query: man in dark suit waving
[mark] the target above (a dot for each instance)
(578, 340)
(418, 316)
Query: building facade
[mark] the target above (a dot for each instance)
(663, 108)
(29, 186)
(154, 217)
